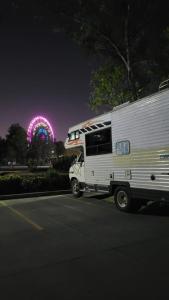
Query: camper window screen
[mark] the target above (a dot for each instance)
(99, 142)
(123, 148)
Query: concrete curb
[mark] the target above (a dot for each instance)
(37, 194)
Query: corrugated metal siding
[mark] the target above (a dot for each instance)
(101, 165)
(146, 125)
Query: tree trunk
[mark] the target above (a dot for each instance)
(131, 84)
(130, 77)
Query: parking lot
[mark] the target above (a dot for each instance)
(60, 247)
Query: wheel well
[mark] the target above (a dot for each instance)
(114, 185)
(72, 179)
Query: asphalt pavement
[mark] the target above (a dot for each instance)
(59, 247)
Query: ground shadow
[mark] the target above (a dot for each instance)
(155, 208)
(99, 196)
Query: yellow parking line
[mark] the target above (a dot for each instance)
(22, 216)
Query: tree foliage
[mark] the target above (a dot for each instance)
(16, 141)
(109, 87)
(2, 151)
(59, 148)
(129, 35)
(39, 152)
(16, 149)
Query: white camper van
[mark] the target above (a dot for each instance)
(124, 152)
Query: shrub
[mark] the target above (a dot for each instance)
(10, 184)
(55, 180)
(19, 184)
(32, 184)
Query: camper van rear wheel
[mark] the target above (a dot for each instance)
(123, 199)
(76, 188)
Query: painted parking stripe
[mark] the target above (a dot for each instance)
(22, 216)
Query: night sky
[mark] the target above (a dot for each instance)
(42, 73)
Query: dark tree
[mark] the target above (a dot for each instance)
(16, 141)
(39, 152)
(129, 36)
(59, 149)
(3, 149)
(126, 35)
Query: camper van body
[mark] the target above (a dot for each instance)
(126, 149)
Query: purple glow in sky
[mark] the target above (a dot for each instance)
(42, 73)
(37, 122)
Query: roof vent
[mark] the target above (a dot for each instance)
(164, 85)
(121, 105)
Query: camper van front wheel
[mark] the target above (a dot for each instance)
(123, 199)
(76, 188)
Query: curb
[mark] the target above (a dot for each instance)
(36, 194)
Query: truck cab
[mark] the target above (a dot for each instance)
(77, 173)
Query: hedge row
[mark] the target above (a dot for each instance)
(14, 184)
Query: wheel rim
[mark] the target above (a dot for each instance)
(122, 199)
(75, 187)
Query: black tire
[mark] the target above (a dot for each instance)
(123, 200)
(76, 188)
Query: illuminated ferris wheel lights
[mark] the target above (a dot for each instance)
(38, 123)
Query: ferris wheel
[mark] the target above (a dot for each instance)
(41, 129)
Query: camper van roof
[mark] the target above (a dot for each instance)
(105, 117)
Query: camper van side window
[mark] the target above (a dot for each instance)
(99, 142)
(74, 135)
(123, 148)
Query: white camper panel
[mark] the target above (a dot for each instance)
(98, 169)
(145, 124)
